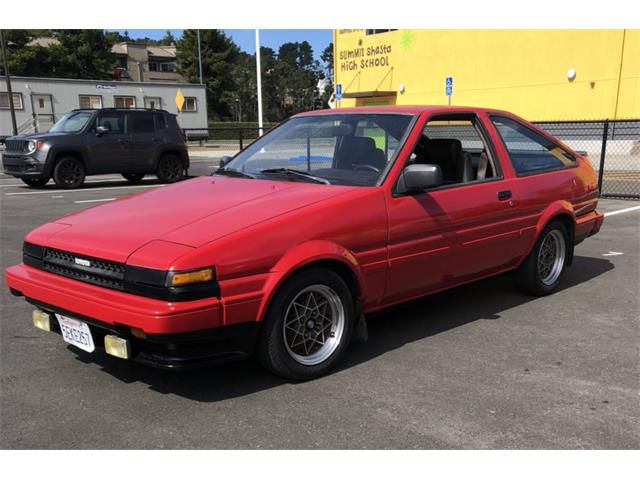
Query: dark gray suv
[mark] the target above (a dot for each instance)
(133, 142)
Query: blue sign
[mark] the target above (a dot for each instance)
(448, 86)
(339, 91)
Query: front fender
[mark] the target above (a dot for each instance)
(303, 255)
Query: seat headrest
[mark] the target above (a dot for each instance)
(439, 147)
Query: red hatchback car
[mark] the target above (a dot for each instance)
(284, 249)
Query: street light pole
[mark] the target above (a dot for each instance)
(199, 57)
(259, 81)
(8, 79)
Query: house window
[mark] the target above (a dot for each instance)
(124, 102)
(190, 104)
(162, 67)
(121, 62)
(90, 101)
(17, 101)
(153, 102)
(375, 31)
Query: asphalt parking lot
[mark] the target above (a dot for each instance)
(481, 366)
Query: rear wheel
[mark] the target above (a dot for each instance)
(133, 177)
(170, 168)
(69, 173)
(543, 268)
(35, 182)
(308, 326)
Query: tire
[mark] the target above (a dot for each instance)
(542, 270)
(170, 168)
(35, 182)
(291, 342)
(133, 177)
(69, 173)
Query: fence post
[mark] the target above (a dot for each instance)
(240, 136)
(603, 151)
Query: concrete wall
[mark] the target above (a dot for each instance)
(65, 96)
(523, 71)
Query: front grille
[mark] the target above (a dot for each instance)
(86, 269)
(15, 145)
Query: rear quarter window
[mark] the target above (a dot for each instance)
(142, 122)
(529, 151)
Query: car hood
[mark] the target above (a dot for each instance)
(42, 136)
(189, 213)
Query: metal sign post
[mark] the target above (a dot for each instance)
(448, 88)
(8, 80)
(259, 82)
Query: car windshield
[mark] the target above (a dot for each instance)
(341, 149)
(72, 122)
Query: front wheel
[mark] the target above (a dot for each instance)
(35, 182)
(170, 168)
(543, 268)
(308, 326)
(69, 173)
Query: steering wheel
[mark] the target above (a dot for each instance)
(365, 166)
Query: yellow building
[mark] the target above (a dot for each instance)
(537, 74)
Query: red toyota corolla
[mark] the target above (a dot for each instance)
(284, 249)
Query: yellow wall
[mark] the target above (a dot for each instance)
(523, 71)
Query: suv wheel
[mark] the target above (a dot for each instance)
(69, 173)
(169, 168)
(542, 270)
(133, 177)
(308, 325)
(35, 182)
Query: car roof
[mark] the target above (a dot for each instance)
(403, 109)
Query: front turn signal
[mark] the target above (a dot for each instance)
(177, 279)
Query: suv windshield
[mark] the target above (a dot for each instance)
(72, 122)
(343, 149)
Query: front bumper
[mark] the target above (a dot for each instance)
(22, 165)
(175, 334)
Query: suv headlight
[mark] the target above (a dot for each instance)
(32, 146)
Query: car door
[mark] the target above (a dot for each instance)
(109, 151)
(144, 141)
(465, 229)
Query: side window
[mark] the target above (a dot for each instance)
(161, 121)
(141, 122)
(529, 151)
(113, 121)
(457, 146)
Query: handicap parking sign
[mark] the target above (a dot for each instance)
(339, 91)
(448, 86)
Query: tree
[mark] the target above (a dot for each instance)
(219, 55)
(327, 59)
(168, 39)
(84, 54)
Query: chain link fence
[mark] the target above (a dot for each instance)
(613, 148)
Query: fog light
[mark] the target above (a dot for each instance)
(41, 320)
(116, 346)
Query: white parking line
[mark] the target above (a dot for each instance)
(80, 190)
(96, 200)
(624, 210)
(112, 179)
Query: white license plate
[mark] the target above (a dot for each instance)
(76, 333)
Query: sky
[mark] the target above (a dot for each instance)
(245, 39)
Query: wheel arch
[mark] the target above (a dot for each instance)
(563, 212)
(315, 254)
(60, 154)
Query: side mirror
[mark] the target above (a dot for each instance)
(101, 130)
(224, 160)
(418, 177)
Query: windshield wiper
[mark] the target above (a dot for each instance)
(232, 173)
(295, 173)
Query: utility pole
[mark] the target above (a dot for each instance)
(259, 81)
(199, 57)
(8, 79)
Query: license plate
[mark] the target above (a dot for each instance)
(76, 333)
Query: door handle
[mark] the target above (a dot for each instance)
(504, 195)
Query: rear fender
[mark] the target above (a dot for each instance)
(559, 208)
(305, 255)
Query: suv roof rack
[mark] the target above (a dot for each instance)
(136, 109)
